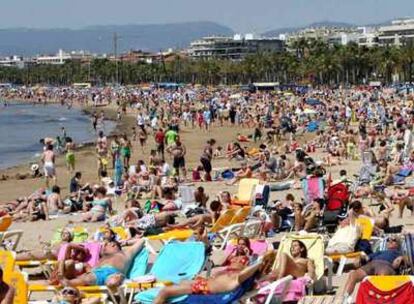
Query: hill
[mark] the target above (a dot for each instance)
(99, 39)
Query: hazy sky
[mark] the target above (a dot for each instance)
(241, 15)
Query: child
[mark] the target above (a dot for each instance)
(196, 175)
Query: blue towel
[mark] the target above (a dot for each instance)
(179, 261)
(139, 265)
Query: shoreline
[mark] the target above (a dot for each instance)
(110, 115)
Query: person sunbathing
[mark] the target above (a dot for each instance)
(152, 223)
(215, 284)
(201, 219)
(237, 260)
(384, 262)
(244, 172)
(100, 205)
(111, 268)
(49, 252)
(297, 264)
(73, 264)
(71, 295)
(6, 291)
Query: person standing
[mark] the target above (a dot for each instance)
(178, 152)
(171, 137)
(48, 160)
(70, 154)
(206, 157)
(126, 150)
(159, 141)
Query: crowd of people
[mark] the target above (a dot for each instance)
(285, 140)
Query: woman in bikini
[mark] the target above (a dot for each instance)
(297, 264)
(100, 205)
(215, 284)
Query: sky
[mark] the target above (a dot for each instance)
(240, 15)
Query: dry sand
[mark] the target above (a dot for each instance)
(194, 139)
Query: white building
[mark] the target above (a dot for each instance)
(61, 57)
(398, 33)
(234, 48)
(13, 61)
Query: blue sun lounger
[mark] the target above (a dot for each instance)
(176, 262)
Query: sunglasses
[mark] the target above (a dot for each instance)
(69, 292)
(392, 240)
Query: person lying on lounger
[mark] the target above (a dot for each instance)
(384, 262)
(221, 283)
(200, 219)
(297, 264)
(112, 266)
(49, 252)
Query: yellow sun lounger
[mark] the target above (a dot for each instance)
(245, 193)
(316, 250)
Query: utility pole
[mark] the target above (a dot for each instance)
(116, 58)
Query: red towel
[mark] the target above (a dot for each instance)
(369, 294)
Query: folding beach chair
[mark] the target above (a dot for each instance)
(186, 195)
(241, 215)
(176, 262)
(165, 237)
(386, 290)
(367, 228)
(245, 195)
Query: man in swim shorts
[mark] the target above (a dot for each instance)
(48, 160)
(112, 266)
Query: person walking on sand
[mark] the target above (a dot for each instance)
(48, 160)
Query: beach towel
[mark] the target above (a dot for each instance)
(79, 235)
(401, 175)
(295, 291)
(369, 294)
(93, 248)
(139, 265)
(313, 188)
(179, 261)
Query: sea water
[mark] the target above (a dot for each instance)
(22, 126)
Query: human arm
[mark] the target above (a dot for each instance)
(135, 248)
(9, 296)
(311, 270)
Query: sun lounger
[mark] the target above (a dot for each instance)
(246, 192)
(9, 239)
(316, 251)
(176, 262)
